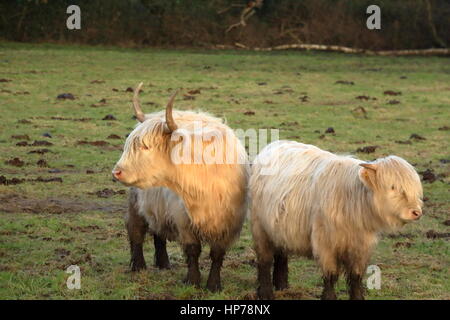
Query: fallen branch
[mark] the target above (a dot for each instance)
(321, 47)
(246, 13)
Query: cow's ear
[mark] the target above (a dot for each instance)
(368, 174)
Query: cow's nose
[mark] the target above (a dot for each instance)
(417, 213)
(117, 174)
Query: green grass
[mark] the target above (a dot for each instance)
(45, 227)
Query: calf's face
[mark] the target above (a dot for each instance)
(396, 186)
(145, 159)
(144, 162)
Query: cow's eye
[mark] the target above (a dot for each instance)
(392, 187)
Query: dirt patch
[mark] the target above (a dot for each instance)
(365, 98)
(107, 193)
(444, 128)
(99, 143)
(16, 203)
(71, 119)
(109, 117)
(16, 162)
(330, 130)
(401, 235)
(249, 113)
(7, 182)
(304, 98)
(194, 91)
(367, 149)
(113, 136)
(21, 137)
(350, 83)
(415, 136)
(431, 234)
(40, 151)
(42, 163)
(40, 143)
(429, 176)
(403, 142)
(402, 244)
(65, 96)
(392, 93)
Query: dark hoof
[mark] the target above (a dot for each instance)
(214, 286)
(192, 280)
(265, 294)
(281, 286)
(137, 266)
(162, 265)
(328, 296)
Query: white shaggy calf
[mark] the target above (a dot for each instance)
(329, 207)
(160, 212)
(201, 159)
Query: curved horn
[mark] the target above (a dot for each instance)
(137, 105)
(169, 117)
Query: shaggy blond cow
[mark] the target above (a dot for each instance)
(214, 193)
(318, 204)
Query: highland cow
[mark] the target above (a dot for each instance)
(327, 207)
(214, 193)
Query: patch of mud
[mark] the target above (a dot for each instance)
(21, 137)
(15, 162)
(7, 182)
(71, 119)
(392, 93)
(114, 136)
(99, 143)
(40, 151)
(65, 96)
(350, 83)
(431, 234)
(107, 193)
(367, 149)
(16, 203)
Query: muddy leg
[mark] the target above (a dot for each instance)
(329, 281)
(161, 257)
(356, 290)
(137, 228)
(280, 270)
(192, 252)
(217, 253)
(264, 254)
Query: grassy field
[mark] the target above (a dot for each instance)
(59, 206)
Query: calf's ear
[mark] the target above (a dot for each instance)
(368, 174)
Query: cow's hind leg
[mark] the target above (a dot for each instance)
(280, 270)
(161, 257)
(265, 257)
(217, 254)
(192, 252)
